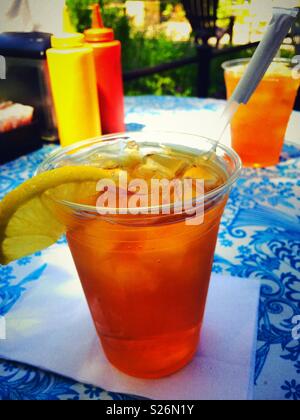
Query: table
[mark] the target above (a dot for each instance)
(259, 238)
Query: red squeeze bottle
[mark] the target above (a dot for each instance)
(107, 55)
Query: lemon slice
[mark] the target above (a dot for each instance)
(27, 221)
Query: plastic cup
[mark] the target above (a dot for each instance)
(259, 128)
(146, 278)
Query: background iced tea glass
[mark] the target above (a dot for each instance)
(146, 278)
(259, 128)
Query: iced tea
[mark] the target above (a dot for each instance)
(259, 128)
(146, 278)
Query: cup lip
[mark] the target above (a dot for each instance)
(227, 65)
(57, 154)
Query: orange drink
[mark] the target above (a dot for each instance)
(258, 129)
(146, 276)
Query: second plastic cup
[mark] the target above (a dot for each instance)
(259, 128)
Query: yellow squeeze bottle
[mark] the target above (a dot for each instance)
(74, 88)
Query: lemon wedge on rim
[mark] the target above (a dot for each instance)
(27, 222)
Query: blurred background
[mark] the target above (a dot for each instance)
(169, 47)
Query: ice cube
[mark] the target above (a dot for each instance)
(131, 160)
(211, 179)
(165, 166)
(132, 145)
(199, 172)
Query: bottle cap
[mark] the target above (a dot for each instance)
(67, 40)
(98, 33)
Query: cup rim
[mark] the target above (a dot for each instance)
(62, 151)
(227, 65)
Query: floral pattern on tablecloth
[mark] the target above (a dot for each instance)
(259, 238)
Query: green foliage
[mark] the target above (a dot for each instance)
(80, 13)
(140, 51)
(143, 52)
(115, 18)
(288, 53)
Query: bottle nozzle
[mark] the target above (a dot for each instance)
(98, 32)
(97, 21)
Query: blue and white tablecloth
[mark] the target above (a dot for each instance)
(259, 238)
